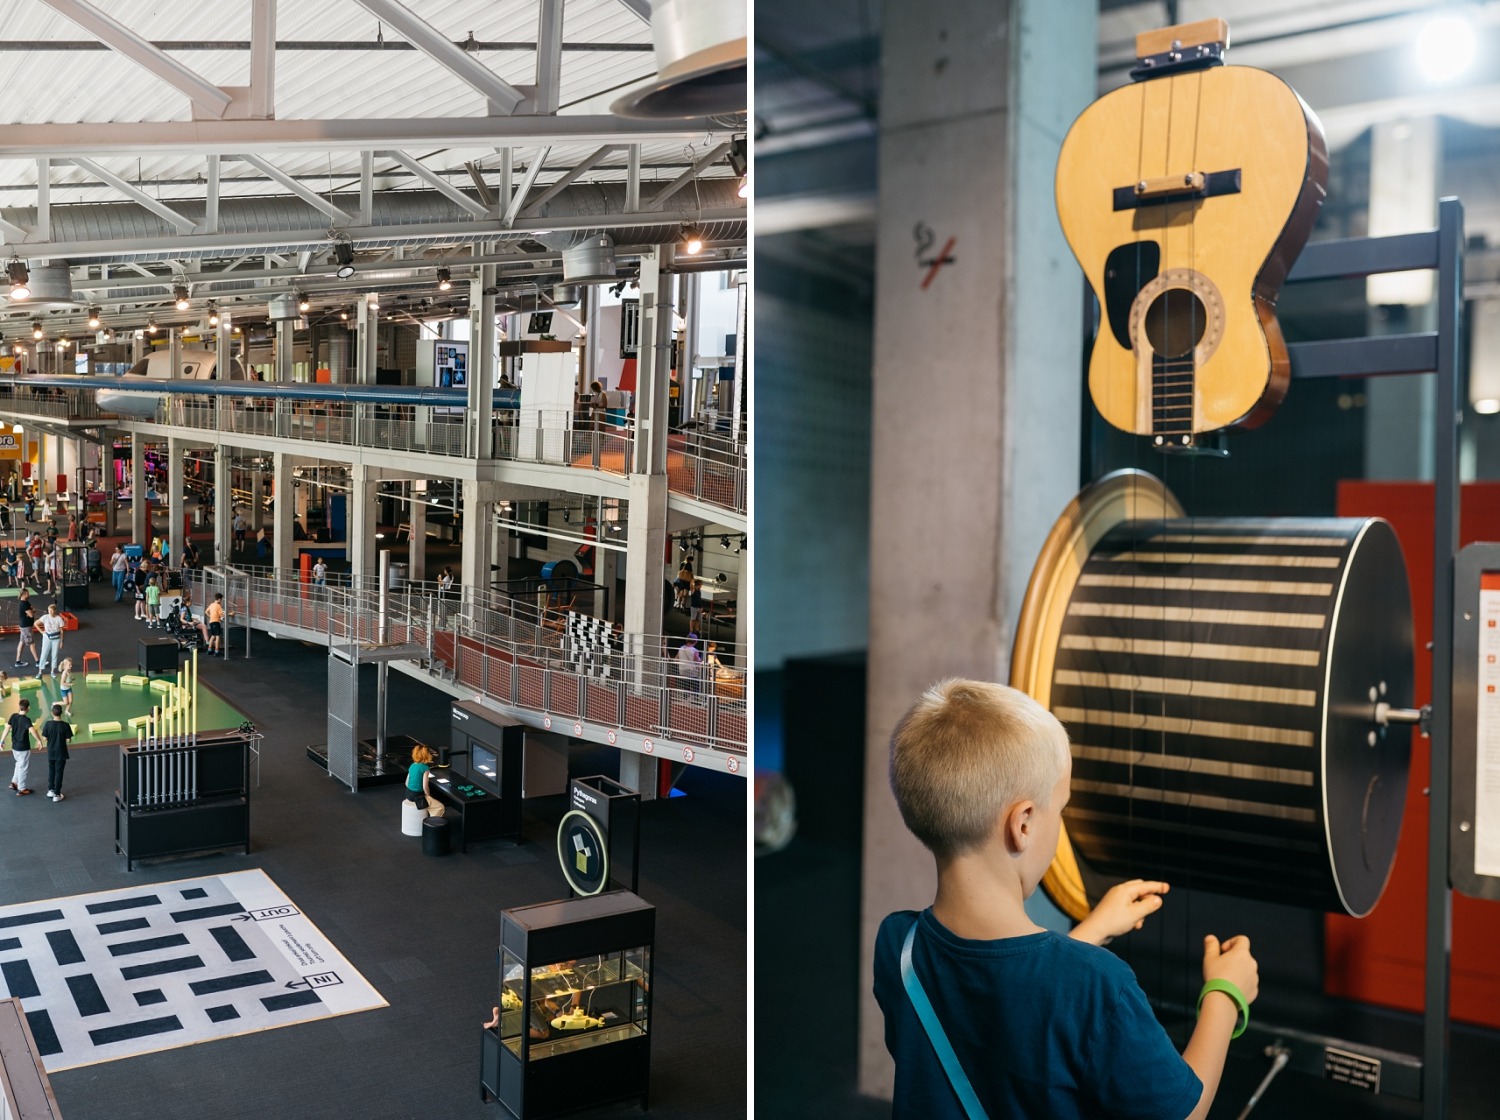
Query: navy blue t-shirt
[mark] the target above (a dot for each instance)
(1044, 1026)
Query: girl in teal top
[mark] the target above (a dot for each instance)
(418, 775)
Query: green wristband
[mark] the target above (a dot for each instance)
(1233, 993)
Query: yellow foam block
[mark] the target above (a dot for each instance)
(131, 678)
(104, 728)
(29, 682)
(137, 721)
(162, 686)
(99, 678)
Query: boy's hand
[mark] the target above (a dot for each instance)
(1123, 908)
(1232, 961)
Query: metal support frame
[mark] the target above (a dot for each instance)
(438, 183)
(312, 198)
(713, 155)
(503, 98)
(136, 195)
(518, 199)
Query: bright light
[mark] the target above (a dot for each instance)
(151, 326)
(692, 240)
(445, 279)
(62, 343)
(303, 303)
(20, 278)
(93, 318)
(1445, 47)
(180, 294)
(1487, 407)
(36, 328)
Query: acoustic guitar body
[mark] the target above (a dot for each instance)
(1186, 199)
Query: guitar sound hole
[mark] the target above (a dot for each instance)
(1175, 322)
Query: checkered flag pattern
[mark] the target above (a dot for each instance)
(587, 645)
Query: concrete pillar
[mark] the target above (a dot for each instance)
(366, 339)
(174, 349)
(43, 486)
(593, 343)
(482, 375)
(107, 470)
(283, 548)
(139, 530)
(283, 356)
(645, 545)
(257, 509)
(223, 549)
(606, 566)
(478, 512)
(416, 548)
(175, 505)
(985, 443)
(363, 518)
(638, 771)
(653, 370)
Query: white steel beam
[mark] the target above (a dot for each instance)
(439, 184)
(207, 98)
(633, 180)
(568, 179)
(639, 8)
(12, 233)
(465, 230)
(44, 198)
(263, 59)
(312, 198)
(366, 187)
(519, 198)
(501, 95)
(28, 141)
(548, 57)
(713, 154)
(135, 194)
(211, 210)
(507, 174)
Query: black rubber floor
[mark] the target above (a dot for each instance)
(423, 930)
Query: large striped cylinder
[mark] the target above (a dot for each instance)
(1219, 681)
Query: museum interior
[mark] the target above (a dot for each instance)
(374, 414)
(993, 256)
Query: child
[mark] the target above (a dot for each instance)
(153, 602)
(1041, 1024)
(65, 684)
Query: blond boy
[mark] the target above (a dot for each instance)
(1038, 1024)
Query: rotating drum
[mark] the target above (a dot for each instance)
(1219, 680)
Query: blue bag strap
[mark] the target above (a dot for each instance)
(935, 1033)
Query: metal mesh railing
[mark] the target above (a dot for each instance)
(514, 649)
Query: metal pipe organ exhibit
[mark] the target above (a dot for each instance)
(180, 791)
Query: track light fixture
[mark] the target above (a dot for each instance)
(724, 542)
(63, 342)
(151, 325)
(180, 296)
(20, 279)
(344, 314)
(740, 165)
(213, 313)
(692, 239)
(445, 279)
(303, 303)
(343, 253)
(93, 318)
(36, 328)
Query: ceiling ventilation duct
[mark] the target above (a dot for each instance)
(282, 308)
(700, 62)
(565, 295)
(51, 286)
(590, 262)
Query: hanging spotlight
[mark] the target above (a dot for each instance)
(180, 294)
(62, 342)
(343, 253)
(724, 543)
(445, 279)
(740, 165)
(739, 546)
(683, 546)
(36, 328)
(93, 318)
(20, 279)
(213, 313)
(692, 239)
(303, 303)
(344, 315)
(151, 325)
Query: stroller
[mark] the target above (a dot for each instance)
(185, 634)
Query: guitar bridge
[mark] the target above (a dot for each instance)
(1177, 188)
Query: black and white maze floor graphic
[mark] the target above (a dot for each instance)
(119, 973)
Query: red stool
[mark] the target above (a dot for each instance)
(95, 658)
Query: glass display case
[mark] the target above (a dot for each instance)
(575, 1006)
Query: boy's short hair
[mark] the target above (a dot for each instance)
(964, 752)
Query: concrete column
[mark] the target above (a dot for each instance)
(283, 548)
(645, 545)
(366, 339)
(283, 350)
(139, 530)
(107, 469)
(223, 339)
(606, 565)
(985, 443)
(223, 549)
(499, 553)
(478, 513)
(257, 509)
(638, 771)
(593, 343)
(653, 370)
(175, 505)
(43, 486)
(416, 548)
(363, 518)
(482, 375)
(174, 348)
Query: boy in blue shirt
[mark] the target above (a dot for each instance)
(1041, 1025)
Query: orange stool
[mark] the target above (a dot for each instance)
(95, 658)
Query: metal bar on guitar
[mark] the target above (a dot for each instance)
(1360, 357)
(1366, 256)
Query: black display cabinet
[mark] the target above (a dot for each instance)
(73, 592)
(599, 837)
(575, 1006)
(157, 655)
(174, 800)
(483, 784)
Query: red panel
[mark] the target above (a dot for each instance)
(1379, 959)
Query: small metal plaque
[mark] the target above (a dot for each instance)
(1358, 1070)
